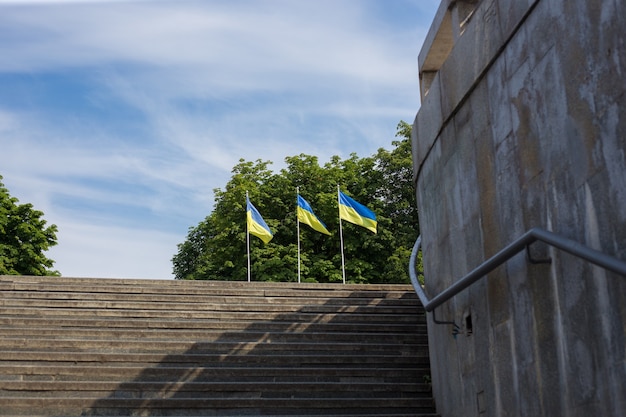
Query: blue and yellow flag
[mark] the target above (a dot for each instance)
(306, 215)
(256, 224)
(356, 213)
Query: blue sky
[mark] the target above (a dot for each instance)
(119, 118)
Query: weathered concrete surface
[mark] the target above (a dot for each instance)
(524, 125)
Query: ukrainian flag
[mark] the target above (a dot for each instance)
(256, 224)
(356, 213)
(306, 215)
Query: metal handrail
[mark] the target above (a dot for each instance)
(533, 235)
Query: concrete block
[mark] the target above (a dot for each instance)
(469, 58)
(499, 107)
(511, 13)
(426, 125)
(439, 40)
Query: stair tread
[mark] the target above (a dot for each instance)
(81, 346)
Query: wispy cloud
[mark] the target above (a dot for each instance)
(119, 118)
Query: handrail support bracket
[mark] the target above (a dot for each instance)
(536, 261)
(567, 245)
(456, 329)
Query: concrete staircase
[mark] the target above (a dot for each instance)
(106, 347)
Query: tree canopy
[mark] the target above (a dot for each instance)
(24, 238)
(215, 249)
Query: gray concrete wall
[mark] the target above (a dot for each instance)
(524, 125)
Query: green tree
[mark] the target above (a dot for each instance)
(398, 195)
(24, 238)
(216, 248)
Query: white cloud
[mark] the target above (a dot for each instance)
(112, 251)
(258, 44)
(158, 100)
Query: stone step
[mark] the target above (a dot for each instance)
(48, 357)
(298, 316)
(215, 407)
(197, 324)
(243, 336)
(80, 345)
(231, 297)
(150, 389)
(172, 286)
(301, 413)
(146, 347)
(198, 296)
(196, 291)
(177, 306)
(211, 373)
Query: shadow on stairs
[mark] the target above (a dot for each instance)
(105, 347)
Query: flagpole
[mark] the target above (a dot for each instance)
(298, 227)
(247, 236)
(343, 261)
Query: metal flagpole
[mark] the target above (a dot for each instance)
(298, 226)
(248, 236)
(343, 261)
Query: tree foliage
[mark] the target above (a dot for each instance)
(215, 249)
(24, 238)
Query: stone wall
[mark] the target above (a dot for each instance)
(523, 124)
